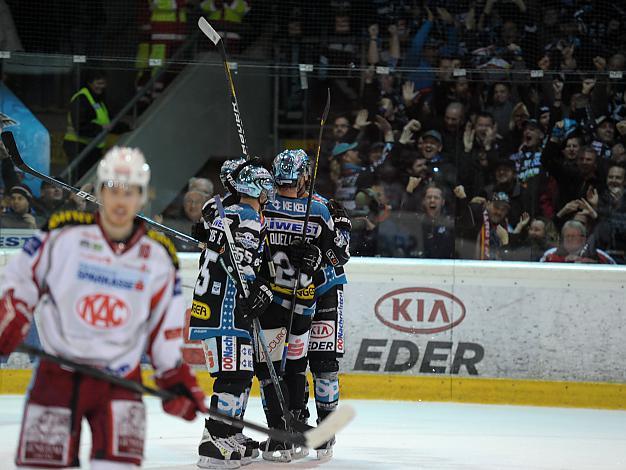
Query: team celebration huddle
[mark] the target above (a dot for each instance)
(269, 273)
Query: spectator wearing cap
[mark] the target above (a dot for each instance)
(575, 247)
(430, 145)
(348, 167)
(604, 137)
(506, 181)
(482, 225)
(51, 199)
(19, 214)
(544, 117)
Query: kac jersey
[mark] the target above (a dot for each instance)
(100, 302)
(285, 223)
(213, 311)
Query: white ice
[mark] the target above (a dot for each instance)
(404, 435)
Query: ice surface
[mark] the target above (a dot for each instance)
(403, 435)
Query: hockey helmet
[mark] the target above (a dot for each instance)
(124, 166)
(289, 165)
(253, 180)
(228, 167)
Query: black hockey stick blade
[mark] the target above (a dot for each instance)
(313, 438)
(16, 158)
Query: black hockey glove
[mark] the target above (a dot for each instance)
(305, 256)
(260, 298)
(199, 232)
(340, 215)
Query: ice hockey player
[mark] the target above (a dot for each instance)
(201, 231)
(326, 342)
(107, 289)
(221, 317)
(285, 218)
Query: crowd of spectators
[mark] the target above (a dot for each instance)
(485, 129)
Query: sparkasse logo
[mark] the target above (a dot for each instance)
(420, 310)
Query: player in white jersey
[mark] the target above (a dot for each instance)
(106, 290)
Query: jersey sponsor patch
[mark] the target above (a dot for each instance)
(32, 245)
(116, 278)
(247, 240)
(326, 390)
(298, 346)
(340, 338)
(306, 293)
(200, 310)
(173, 333)
(313, 229)
(246, 361)
(229, 353)
(178, 286)
(129, 428)
(216, 288)
(45, 436)
(330, 254)
(322, 336)
(275, 338)
(103, 311)
(209, 346)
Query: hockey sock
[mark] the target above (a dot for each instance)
(271, 403)
(296, 384)
(326, 393)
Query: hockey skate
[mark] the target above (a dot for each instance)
(247, 451)
(300, 452)
(276, 451)
(325, 451)
(218, 452)
(251, 445)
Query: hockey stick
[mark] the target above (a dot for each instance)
(215, 38)
(307, 215)
(11, 145)
(287, 416)
(316, 436)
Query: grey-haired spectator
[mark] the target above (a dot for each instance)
(575, 247)
(203, 185)
(19, 213)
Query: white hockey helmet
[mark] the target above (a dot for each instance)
(124, 166)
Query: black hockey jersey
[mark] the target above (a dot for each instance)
(285, 220)
(215, 294)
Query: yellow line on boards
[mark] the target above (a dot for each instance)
(442, 389)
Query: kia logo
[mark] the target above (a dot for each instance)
(103, 311)
(419, 310)
(322, 330)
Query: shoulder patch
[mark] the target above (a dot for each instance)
(63, 218)
(165, 241)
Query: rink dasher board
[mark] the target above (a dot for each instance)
(465, 331)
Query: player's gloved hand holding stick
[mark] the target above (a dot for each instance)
(305, 257)
(258, 300)
(188, 397)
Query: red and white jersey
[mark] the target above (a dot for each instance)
(100, 302)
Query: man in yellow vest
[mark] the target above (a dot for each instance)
(87, 117)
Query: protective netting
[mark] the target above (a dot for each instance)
(571, 35)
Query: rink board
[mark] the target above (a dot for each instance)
(483, 332)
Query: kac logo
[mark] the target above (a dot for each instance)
(103, 311)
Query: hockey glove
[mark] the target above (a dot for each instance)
(189, 397)
(340, 216)
(15, 319)
(305, 256)
(260, 298)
